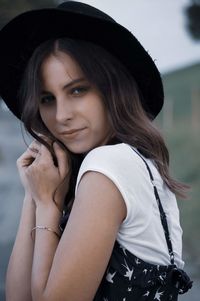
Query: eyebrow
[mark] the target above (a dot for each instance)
(75, 81)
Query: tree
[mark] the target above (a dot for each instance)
(10, 9)
(193, 19)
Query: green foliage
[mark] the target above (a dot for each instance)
(184, 147)
(193, 19)
(179, 86)
(10, 9)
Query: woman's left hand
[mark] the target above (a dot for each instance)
(47, 182)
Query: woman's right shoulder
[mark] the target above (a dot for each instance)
(105, 151)
(117, 153)
(119, 162)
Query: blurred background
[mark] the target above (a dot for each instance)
(170, 31)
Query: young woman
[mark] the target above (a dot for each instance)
(96, 180)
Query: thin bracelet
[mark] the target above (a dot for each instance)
(45, 228)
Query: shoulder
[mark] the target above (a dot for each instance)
(98, 173)
(105, 151)
(115, 168)
(118, 162)
(117, 155)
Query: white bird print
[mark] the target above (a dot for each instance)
(129, 289)
(124, 299)
(137, 261)
(109, 277)
(158, 295)
(145, 271)
(129, 272)
(105, 299)
(146, 294)
(162, 277)
(123, 249)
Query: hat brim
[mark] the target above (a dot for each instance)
(21, 36)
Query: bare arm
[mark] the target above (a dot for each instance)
(18, 280)
(72, 269)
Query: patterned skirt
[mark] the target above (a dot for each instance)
(128, 278)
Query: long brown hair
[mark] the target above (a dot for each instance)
(120, 94)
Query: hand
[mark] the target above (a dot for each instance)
(24, 161)
(45, 181)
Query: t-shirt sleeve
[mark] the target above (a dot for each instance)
(122, 167)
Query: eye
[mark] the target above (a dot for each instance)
(80, 90)
(46, 99)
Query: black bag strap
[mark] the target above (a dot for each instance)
(162, 213)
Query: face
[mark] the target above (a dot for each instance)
(71, 108)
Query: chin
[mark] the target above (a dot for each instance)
(79, 148)
(83, 148)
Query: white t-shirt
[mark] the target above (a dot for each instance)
(141, 231)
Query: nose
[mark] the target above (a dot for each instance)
(64, 111)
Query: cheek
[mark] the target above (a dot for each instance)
(102, 114)
(46, 118)
(101, 119)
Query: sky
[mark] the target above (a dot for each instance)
(160, 26)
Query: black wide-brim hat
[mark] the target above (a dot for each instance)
(75, 20)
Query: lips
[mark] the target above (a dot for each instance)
(71, 132)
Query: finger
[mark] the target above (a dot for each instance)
(35, 146)
(26, 158)
(45, 155)
(62, 158)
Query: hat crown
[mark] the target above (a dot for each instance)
(84, 9)
(79, 21)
